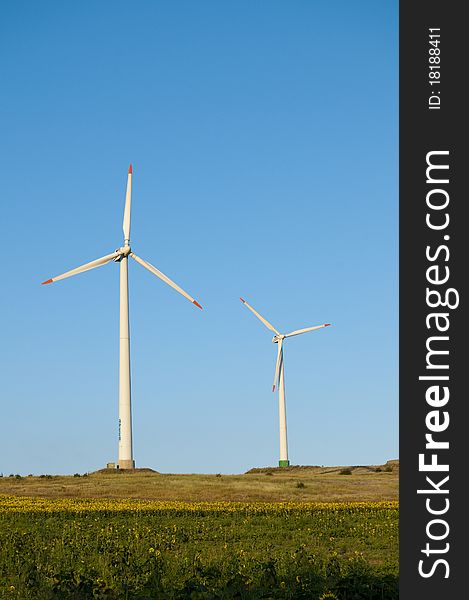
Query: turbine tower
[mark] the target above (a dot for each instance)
(280, 380)
(121, 255)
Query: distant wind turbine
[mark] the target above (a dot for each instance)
(279, 379)
(126, 459)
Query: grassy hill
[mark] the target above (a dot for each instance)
(268, 484)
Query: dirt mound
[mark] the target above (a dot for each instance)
(390, 465)
(126, 471)
(291, 468)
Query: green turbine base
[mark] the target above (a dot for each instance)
(283, 463)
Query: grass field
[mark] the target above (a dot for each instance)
(322, 484)
(92, 537)
(65, 548)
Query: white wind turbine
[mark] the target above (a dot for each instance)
(279, 379)
(125, 460)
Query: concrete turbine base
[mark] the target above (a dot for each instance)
(126, 464)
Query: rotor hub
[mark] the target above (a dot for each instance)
(123, 252)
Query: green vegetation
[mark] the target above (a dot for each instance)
(294, 533)
(54, 549)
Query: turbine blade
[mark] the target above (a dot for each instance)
(298, 331)
(163, 277)
(266, 323)
(278, 363)
(128, 204)
(99, 262)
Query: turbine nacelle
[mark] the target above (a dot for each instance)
(123, 252)
(278, 338)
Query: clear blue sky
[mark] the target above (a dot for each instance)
(263, 137)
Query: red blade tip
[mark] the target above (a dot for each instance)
(273, 388)
(197, 304)
(327, 324)
(48, 281)
(130, 169)
(244, 301)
